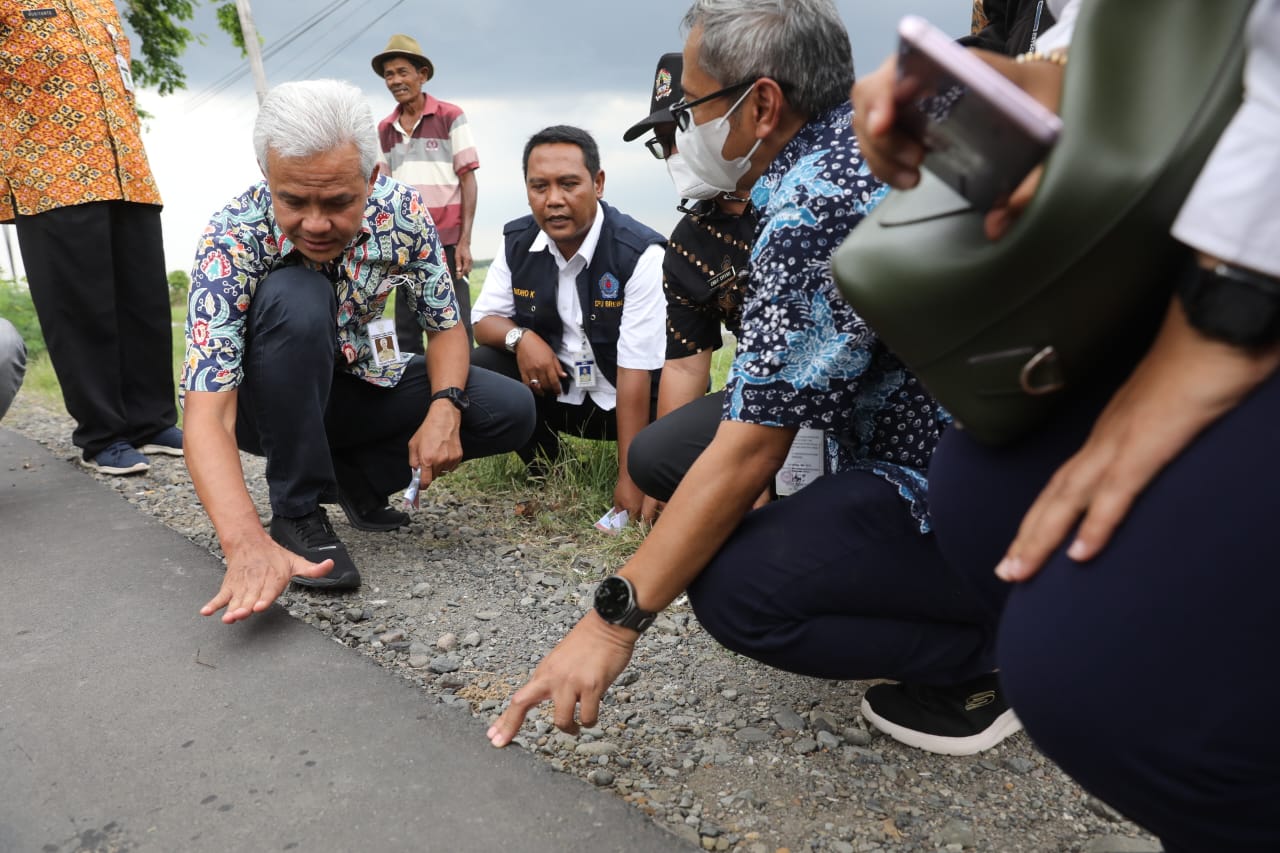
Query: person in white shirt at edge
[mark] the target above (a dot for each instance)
(573, 307)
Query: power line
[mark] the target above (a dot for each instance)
(331, 54)
(223, 83)
(298, 55)
(290, 37)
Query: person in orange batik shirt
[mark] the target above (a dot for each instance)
(74, 178)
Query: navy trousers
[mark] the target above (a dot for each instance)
(319, 427)
(838, 582)
(1145, 673)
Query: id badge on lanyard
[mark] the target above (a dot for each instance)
(584, 365)
(382, 337)
(126, 75)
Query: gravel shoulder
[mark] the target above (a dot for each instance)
(720, 750)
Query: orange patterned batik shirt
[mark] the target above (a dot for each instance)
(69, 131)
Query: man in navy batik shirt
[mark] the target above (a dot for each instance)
(842, 579)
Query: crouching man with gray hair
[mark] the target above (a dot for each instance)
(287, 293)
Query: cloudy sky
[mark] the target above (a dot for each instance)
(514, 66)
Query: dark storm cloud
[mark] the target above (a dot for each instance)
(502, 48)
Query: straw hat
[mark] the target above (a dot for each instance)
(406, 47)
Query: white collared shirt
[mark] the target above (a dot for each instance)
(642, 335)
(1231, 211)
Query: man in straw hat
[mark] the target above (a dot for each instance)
(427, 143)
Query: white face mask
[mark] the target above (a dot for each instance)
(687, 183)
(703, 148)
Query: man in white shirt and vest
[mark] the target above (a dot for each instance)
(573, 307)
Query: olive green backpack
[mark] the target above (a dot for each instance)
(1000, 332)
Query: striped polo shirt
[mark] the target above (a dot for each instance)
(431, 158)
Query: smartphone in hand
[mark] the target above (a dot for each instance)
(982, 133)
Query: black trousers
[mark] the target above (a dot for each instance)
(552, 417)
(1145, 673)
(320, 428)
(664, 450)
(97, 279)
(409, 333)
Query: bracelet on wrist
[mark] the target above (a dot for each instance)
(1057, 57)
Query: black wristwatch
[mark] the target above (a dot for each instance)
(454, 395)
(1231, 304)
(616, 604)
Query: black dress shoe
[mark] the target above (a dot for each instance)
(312, 537)
(376, 520)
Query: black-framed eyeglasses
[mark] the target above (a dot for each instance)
(681, 109)
(660, 146)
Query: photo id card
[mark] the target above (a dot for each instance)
(584, 371)
(382, 337)
(804, 462)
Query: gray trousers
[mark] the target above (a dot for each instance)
(13, 364)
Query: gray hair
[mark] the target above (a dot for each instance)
(309, 117)
(801, 44)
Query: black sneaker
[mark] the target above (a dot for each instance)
(959, 720)
(375, 519)
(312, 537)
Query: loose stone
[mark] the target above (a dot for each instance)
(788, 720)
(419, 655)
(444, 663)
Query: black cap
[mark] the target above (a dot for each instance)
(666, 91)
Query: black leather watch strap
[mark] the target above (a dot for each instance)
(454, 395)
(1231, 304)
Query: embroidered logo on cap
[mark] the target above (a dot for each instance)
(609, 286)
(662, 86)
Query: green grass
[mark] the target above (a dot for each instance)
(578, 491)
(16, 307)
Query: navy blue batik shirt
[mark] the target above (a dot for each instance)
(805, 358)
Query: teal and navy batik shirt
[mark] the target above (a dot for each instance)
(397, 246)
(805, 358)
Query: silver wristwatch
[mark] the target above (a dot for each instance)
(512, 340)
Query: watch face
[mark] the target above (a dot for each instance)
(613, 598)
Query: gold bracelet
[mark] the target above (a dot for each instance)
(1057, 57)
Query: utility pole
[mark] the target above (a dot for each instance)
(252, 47)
